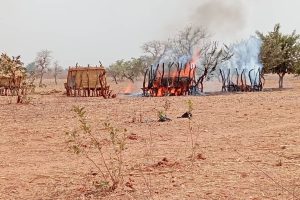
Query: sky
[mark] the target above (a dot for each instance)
(86, 31)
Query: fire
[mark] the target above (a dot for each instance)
(172, 79)
(168, 81)
(129, 88)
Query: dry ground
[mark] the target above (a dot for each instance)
(248, 146)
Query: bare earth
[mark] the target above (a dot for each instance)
(247, 146)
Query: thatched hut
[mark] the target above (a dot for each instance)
(87, 82)
(10, 85)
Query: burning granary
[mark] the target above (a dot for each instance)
(169, 79)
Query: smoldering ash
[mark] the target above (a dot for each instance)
(244, 70)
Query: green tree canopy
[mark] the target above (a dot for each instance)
(129, 69)
(280, 53)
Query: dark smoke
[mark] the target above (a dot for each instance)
(220, 16)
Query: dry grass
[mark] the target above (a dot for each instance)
(246, 146)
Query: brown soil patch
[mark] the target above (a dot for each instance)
(247, 146)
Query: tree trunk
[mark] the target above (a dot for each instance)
(55, 79)
(201, 86)
(41, 80)
(131, 79)
(281, 75)
(115, 79)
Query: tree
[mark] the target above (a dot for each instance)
(192, 46)
(280, 53)
(42, 62)
(115, 70)
(154, 50)
(144, 61)
(11, 67)
(57, 69)
(189, 41)
(31, 73)
(130, 69)
(138, 66)
(297, 71)
(212, 57)
(189, 46)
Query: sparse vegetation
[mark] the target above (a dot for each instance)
(192, 138)
(24, 99)
(159, 158)
(162, 114)
(57, 70)
(221, 147)
(31, 77)
(84, 141)
(12, 76)
(130, 69)
(190, 108)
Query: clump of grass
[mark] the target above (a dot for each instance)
(84, 141)
(188, 114)
(162, 114)
(190, 108)
(24, 99)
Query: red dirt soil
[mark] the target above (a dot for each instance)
(247, 146)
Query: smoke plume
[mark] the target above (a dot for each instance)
(245, 58)
(220, 17)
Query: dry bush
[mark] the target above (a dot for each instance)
(162, 114)
(84, 141)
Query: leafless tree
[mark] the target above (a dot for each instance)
(43, 61)
(189, 40)
(212, 57)
(57, 69)
(155, 50)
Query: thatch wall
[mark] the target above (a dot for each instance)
(86, 77)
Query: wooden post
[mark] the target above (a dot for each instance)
(88, 76)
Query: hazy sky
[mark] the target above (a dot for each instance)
(86, 31)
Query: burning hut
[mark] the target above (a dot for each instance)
(87, 82)
(169, 80)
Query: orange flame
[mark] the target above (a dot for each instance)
(177, 87)
(129, 88)
(174, 82)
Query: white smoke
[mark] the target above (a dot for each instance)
(170, 56)
(245, 59)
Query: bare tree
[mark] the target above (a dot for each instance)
(189, 40)
(155, 50)
(57, 69)
(194, 43)
(212, 57)
(43, 61)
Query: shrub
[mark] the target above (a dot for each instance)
(83, 141)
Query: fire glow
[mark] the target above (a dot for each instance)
(129, 89)
(170, 80)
